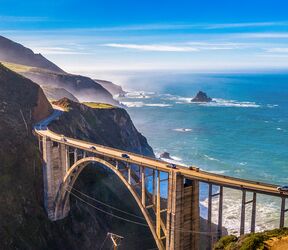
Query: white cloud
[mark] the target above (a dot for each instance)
(277, 50)
(184, 47)
(153, 47)
(245, 25)
(57, 51)
(263, 35)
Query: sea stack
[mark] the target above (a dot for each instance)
(201, 97)
(165, 155)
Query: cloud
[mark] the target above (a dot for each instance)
(275, 35)
(57, 51)
(277, 50)
(245, 25)
(153, 47)
(186, 47)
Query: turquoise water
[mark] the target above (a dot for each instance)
(243, 133)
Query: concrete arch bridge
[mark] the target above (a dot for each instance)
(175, 223)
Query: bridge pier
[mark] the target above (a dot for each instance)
(183, 213)
(55, 157)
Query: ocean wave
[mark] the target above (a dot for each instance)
(158, 105)
(139, 95)
(272, 105)
(267, 212)
(178, 99)
(183, 130)
(142, 104)
(218, 102)
(211, 158)
(174, 159)
(133, 104)
(217, 171)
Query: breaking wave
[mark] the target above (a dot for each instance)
(267, 213)
(142, 104)
(183, 130)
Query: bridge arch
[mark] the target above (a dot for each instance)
(63, 196)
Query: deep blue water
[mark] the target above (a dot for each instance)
(244, 133)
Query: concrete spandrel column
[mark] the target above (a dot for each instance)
(75, 155)
(63, 159)
(48, 177)
(183, 203)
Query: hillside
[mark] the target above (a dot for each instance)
(40, 70)
(113, 88)
(109, 126)
(276, 239)
(24, 223)
(54, 94)
(81, 87)
(16, 53)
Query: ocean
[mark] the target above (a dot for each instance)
(242, 133)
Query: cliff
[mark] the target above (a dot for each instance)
(109, 126)
(40, 70)
(24, 223)
(113, 88)
(54, 94)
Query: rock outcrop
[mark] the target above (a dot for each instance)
(113, 88)
(109, 126)
(201, 97)
(165, 155)
(82, 87)
(54, 94)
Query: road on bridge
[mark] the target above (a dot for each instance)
(226, 181)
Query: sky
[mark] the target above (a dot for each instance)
(206, 35)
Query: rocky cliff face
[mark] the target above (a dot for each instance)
(54, 94)
(113, 88)
(83, 88)
(109, 126)
(24, 224)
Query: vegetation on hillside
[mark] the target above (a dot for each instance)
(250, 241)
(97, 105)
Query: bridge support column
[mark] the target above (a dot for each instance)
(182, 214)
(54, 169)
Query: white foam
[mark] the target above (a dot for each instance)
(133, 104)
(178, 99)
(174, 159)
(183, 130)
(272, 105)
(267, 212)
(139, 94)
(218, 102)
(218, 171)
(157, 105)
(242, 163)
(142, 104)
(211, 158)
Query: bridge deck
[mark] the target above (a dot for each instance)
(222, 180)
